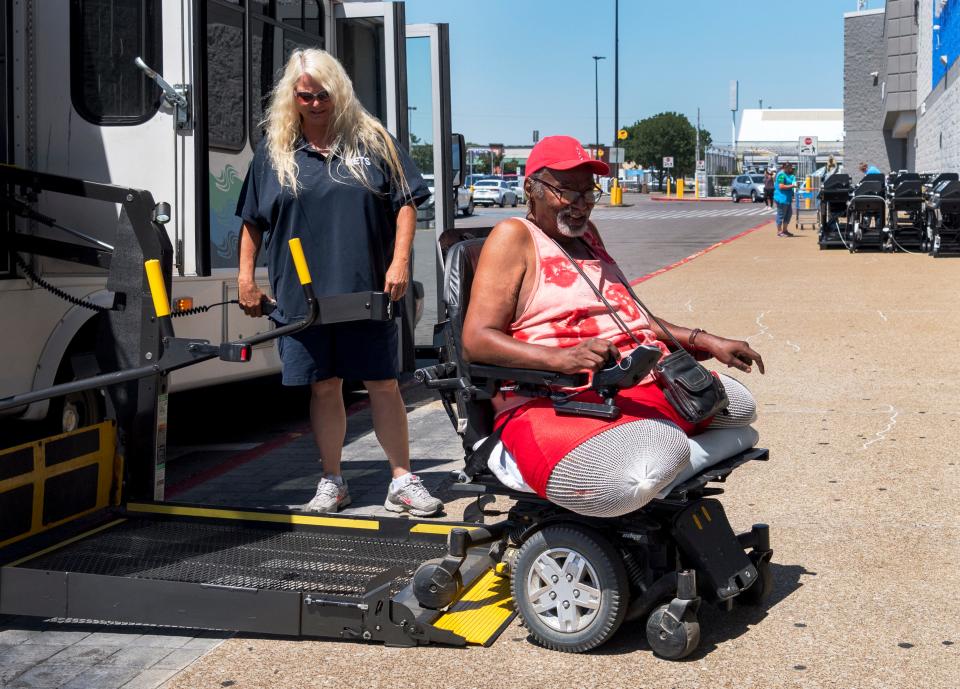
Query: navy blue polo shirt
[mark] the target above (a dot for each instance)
(347, 230)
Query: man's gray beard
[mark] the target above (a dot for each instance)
(564, 228)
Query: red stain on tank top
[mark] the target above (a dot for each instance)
(617, 294)
(575, 328)
(558, 271)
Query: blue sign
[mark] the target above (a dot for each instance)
(946, 38)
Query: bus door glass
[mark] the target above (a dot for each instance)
(428, 103)
(240, 74)
(370, 45)
(5, 219)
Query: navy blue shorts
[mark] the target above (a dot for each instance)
(357, 350)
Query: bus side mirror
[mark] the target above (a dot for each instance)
(458, 159)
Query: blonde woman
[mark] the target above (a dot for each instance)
(329, 173)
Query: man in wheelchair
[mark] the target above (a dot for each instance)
(545, 346)
(531, 308)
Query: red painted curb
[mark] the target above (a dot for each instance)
(262, 449)
(699, 253)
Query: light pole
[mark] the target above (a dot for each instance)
(616, 82)
(596, 99)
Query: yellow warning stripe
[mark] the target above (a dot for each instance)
(482, 612)
(64, 543)
(437, 528)
(338, 522)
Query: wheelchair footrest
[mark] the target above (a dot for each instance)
(706, 539)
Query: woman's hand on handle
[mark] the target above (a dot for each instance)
(734, 353)
(398, 279)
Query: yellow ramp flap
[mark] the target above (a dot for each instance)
(482, 612)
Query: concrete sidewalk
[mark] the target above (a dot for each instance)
(859, 408)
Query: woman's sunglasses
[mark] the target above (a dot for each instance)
(306, 97)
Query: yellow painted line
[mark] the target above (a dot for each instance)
(482, 612)
(66, 542)
(696, 521)
(338, 522)
(437, 528)
(703, 508)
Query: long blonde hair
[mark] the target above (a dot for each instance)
(355, 132)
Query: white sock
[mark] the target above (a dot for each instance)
(398, 483)
(336, 479)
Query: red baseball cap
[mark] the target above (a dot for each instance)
(562, 153)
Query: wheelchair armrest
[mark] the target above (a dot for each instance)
(440, 377)
(528, 375)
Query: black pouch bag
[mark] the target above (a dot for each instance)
(693, 391)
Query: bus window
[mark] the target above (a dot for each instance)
(262, 74)
(267, 58)
(106, 87)
(361, 42)
(225, 102)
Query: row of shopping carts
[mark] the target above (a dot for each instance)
(904, 211)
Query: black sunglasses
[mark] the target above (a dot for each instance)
(307, 97)
(570, 196)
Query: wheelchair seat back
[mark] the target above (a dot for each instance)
(476, 416)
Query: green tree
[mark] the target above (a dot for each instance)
(422, 154)
(666, 134)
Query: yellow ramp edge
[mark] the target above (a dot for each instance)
(437, 528)
(482, 612)
(217, 513)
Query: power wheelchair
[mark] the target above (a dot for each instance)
(576, 579)
(834, 196)
(942, 202)
(905, 228)
(866, 214)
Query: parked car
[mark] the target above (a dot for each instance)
(747, 187)
(464, 201)
(489, 192)
(517, 185)
(471, 180)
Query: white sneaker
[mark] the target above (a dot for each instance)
(412, 498)
(330, 497)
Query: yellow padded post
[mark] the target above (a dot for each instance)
(158, 290)
(300, 261)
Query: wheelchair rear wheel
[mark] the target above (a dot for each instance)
(570, 588)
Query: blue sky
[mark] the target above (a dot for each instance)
(520, 65)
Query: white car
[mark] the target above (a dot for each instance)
(489, 192)
(464, 201)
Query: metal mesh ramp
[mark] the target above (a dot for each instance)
(238, 555)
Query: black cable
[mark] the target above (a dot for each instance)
(55, 290)
(36, 279)
(201, 309)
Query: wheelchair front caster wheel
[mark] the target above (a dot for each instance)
(570, 588)
(434, 587)
(761, 588)
(670, 637)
